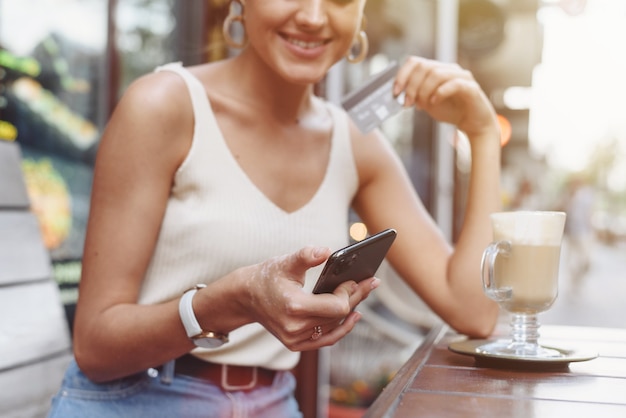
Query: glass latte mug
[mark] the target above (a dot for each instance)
(520, 271)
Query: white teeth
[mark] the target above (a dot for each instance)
(305, 45)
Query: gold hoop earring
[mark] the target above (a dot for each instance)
(363, 44)
(234, 17)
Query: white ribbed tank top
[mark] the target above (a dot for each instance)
(217, 220)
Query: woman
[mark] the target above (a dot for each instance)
(234, 176)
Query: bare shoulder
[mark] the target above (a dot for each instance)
(161, 94)
(154, 118)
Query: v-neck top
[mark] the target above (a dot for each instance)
(217, 220)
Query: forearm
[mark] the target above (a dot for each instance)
(484, 196)
(464, 268)
(127, 338)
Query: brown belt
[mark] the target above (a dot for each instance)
(228, 377)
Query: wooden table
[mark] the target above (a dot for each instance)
(437, 382)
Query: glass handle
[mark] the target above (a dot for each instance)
(487, 266)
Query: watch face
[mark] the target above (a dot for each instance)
(208, 342)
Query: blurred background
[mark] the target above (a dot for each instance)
(553, 69)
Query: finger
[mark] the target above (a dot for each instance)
(406, 70)
(328, 336)
(429, 91)
(453, 87)
(421, 79)
(409, 79)
(329, 306)
(351, 293)
(299, 262)
(413, 77)
(343, 300)
(357, 292)
(320, 326)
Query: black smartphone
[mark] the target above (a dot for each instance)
(357, 261)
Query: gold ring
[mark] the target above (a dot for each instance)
(317, 333)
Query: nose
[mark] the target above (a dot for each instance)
(311, 14)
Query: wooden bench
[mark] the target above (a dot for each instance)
(35, 342)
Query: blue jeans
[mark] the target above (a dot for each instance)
(149, 394)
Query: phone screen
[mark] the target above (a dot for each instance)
(357, 261)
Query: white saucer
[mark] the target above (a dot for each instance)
(472, 348)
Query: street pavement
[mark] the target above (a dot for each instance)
(599, 299)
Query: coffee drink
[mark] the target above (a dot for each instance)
(520, 271)
(531, 272)
(521, 266)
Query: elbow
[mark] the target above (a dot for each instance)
(479, 331)
(89, 363)
(86, 364)
(477, 325)
(92, 370)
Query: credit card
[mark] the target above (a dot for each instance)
(373, 102)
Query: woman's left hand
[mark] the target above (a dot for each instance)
(448, 93)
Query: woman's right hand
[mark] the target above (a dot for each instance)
(276, 299)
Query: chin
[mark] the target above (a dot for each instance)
(305, 81)
(303, 74)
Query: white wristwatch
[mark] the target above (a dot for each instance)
(200, 337)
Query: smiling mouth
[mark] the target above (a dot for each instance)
(305, 44)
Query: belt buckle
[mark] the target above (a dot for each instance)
(227, 386)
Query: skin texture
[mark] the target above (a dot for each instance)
(263, 102)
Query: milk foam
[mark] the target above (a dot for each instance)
(529, 227)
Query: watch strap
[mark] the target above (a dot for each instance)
(200, 337)
(187, 316)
